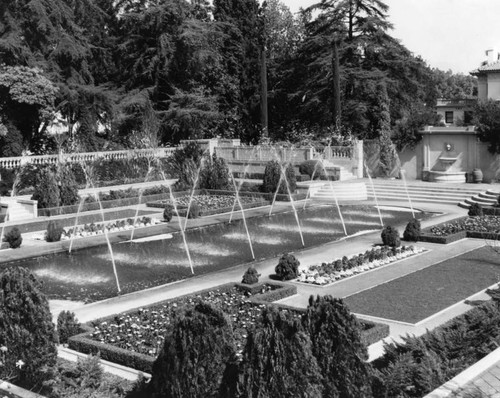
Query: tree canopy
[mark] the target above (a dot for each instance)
(108, 68)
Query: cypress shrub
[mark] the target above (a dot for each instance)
(26, 329)
(194, 210)
(168, 212)
(278, 360)
(215, 174)
(68, 188)
(390, 236)
(412, 230)
(475, 210)
(336, 343)
(194, 356)
(47, 191)
(288, 267)
(272, 175)
(251, 276)
(67, 326)
(13, 238)
(54, 232)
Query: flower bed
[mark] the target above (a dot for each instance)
(210, 204)
(345, 267)
(99, 229)
(482, 227)
(135, 338)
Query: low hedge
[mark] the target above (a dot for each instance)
(82, 343)
(483, 235)
(491, 211)
(443, 239)
(93, 206)
(373, 331)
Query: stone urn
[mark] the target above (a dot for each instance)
(477, 175)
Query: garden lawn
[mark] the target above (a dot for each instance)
(421, 294)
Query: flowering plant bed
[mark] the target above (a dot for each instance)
(135, 338)
(471, 227)
(99, 229)
(211, 204)
(345, 267)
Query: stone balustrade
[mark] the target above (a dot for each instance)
(264, 153)
(82, 157)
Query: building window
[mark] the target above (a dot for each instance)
(467, 118)
(448, 117)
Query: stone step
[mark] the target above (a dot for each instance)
(428, 188)
(457, 196)
(330, 192)
(481, 201)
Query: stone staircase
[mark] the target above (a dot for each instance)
(17, 210)
(340, 171)
(485, 198)
(423, 192)
(328, 192)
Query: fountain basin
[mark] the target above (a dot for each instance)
(87, 274)
(457, 177)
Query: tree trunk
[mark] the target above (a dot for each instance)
(264, 120)
(336, 85)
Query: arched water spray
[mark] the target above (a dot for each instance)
(308, 196)
(238, 188)
(284, 179)
(183, 234)
(402, 172)
(335, 198)
(374, 194)
(293, 206)
(139, 200)
(80, 205)
(195, 183)
(243, 216)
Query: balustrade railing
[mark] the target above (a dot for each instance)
(82, 157)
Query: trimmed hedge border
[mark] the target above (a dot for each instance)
(371, 332)
(443, 239)
(491, 211)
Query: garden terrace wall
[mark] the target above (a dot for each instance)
(106, 204)
(83, 343)
(41, 225)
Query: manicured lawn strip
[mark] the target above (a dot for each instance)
(421, 294)
(257, 301)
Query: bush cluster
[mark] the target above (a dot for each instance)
(475, 210)
(251, 276)
(273, 176)
(54, 232)
(287, 354)
(418, 365)
(13, 238)
(194, 210)
(390, 236)
(214, 174)
(67, 326)
(26, 331)
(168, 212)
(412, 231)
(288, 267)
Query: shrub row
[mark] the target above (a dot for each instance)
(371, 331)
(135, 360)
(418, 365)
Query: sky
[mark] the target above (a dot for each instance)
(447, 34)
